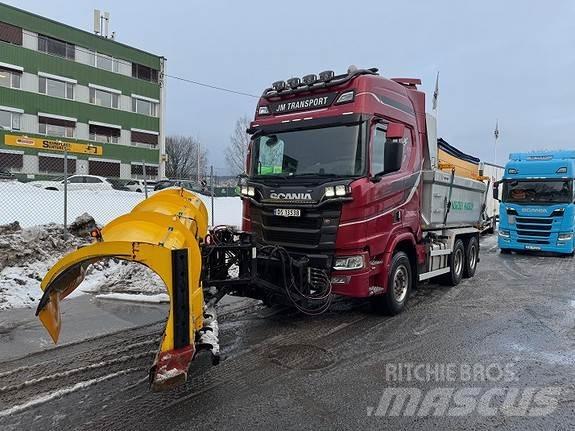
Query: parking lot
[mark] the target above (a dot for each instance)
(508, 333)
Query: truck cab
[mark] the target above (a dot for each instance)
(536, 207)
(335, 177)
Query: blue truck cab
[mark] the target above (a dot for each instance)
(536, 202)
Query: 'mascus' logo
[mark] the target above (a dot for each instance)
(292, 196)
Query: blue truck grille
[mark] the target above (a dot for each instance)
(533, 230)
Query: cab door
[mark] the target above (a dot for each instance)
(390, 177)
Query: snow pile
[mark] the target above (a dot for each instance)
(32, 206)
(26, 255)
(31, 242)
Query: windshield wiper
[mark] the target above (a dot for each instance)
(315, 174)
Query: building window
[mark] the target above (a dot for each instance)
(104, 169)
(56, 164)
(144, 72)
(56, 127)
(105, 134)
(11, 161)
(56, 88)
(56, 47)
(10, 33)
(148, 139)
(144, 107)
(104, 98)
(102, 61)
(10, 120)
(10, 78)
(138, 171)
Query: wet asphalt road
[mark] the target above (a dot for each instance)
(280, 370)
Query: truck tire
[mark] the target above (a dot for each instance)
(471, 257)
(399, 282)
(456, 264)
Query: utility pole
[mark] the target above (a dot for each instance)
(145, 182)
(212, 192)
(65, 188)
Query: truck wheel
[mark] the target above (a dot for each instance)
(456, 264)
(471, 257)
(399, 283)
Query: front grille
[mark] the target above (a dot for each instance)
(534, 220)
(534, 230)
(532, 233)
(532, 241)
(315, 229)
(293, 222)
(282, 236)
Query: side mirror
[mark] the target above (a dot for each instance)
(496, 190)
(395, 131)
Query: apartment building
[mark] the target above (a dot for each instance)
(63, 89)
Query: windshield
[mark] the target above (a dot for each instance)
(328, 151)
(538, 191)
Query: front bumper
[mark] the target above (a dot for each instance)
(551, 244)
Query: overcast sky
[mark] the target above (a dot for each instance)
(513, 61)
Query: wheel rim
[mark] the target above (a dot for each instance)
(458, 261)
(400, 283)
(472, 256)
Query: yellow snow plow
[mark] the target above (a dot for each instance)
(164, 233)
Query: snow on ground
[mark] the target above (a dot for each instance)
(32, 206)
(27, 254)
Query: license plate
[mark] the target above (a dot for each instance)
(532, 247)
(287, 212)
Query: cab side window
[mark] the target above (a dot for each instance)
(378, 152)
(386, 154)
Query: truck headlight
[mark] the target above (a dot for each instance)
(566, 236)
(349, 262)
(248, 191)
(339, 191)
(504, 233)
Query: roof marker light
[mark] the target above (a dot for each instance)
(309, 79)
(345, 97)
(293, 82)
(326, 75)
(279, 85)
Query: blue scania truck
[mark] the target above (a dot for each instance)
(536, 202)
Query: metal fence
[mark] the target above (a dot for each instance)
(58, 189)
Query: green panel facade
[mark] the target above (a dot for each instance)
(38, 24)
(124, 153)
(34, 62)
(32, 103)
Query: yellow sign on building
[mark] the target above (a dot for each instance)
(52, 145)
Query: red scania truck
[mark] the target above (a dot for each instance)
(343, 188)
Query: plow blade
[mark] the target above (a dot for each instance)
(162, 233)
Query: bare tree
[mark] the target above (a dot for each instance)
(237, 150)
(182, 158)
